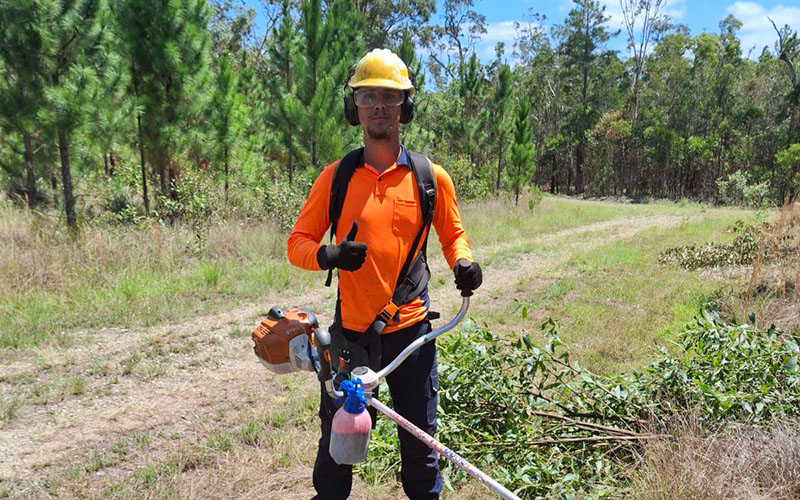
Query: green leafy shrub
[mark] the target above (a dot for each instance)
(736, 190)
(283, 200)
(548, 428)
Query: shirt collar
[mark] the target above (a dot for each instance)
(401, 160)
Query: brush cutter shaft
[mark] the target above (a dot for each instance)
(424, 340)
(444, 451)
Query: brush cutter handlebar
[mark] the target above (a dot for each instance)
(425, 339)
(369, 379)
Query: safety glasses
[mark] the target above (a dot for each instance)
(368, 97)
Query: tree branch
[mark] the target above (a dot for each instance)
(594, 439)
(587, 425)
(784, 56)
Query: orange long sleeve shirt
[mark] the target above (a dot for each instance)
(387, 209)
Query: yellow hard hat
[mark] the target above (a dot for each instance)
(381, 68)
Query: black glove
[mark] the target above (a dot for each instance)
(347, 255)
(468, 276)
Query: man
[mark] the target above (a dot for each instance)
(383, 199)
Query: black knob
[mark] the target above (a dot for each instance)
(276, 313)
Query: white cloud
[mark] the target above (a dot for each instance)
(502, 31)
(756, 30)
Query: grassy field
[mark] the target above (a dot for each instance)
(125, 361)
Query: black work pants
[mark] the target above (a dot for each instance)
(413, 387)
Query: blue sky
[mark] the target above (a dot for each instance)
(698, 15)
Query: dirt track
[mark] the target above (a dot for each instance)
(164, 388)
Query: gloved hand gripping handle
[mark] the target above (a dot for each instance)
(464, 265)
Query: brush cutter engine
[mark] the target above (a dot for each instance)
(283, 340)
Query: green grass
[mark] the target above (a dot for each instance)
(497, 221)
(615, 303)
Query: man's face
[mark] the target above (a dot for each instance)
(379, 110)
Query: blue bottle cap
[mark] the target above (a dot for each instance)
(354, 402)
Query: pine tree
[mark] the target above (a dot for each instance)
(500, 98)
(584, 33)
(22, 85)
(522, 166)
(473, 116)
(330, 46)
(167, 44)
(279, 87)
(227, 115)
(72, 54)
(416, 135)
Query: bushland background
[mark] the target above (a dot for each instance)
(154, 154)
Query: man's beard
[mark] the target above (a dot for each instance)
(380, 132)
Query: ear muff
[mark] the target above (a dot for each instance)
(350, 111)
(407, 109)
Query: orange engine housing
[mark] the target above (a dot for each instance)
(283, 340)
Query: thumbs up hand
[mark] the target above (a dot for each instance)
(348, 255)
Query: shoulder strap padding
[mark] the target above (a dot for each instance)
(342, 173)
(426, 183)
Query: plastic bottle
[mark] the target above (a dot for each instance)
(351, 426)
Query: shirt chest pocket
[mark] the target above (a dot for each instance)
(405, 220)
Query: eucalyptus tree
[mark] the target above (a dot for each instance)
(386, 21)
(460, 30)
(788, 49)
(644, 20)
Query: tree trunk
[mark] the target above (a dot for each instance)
(291, 157)
(105, 164)
(162, 170)
(144, 172)
(499, 164)
(314, 158)
(112, 163)
(225, 153)
(30, 173)
(66, 179)
(579, 168)
(173, 173)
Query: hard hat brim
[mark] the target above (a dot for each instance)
(382, 82)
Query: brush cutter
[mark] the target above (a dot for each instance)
(292, 340)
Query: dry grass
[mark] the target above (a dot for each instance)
(743, 463)
(127, 275)
(36, 252)
(772, 292)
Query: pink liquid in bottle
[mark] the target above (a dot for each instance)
(351, 426)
